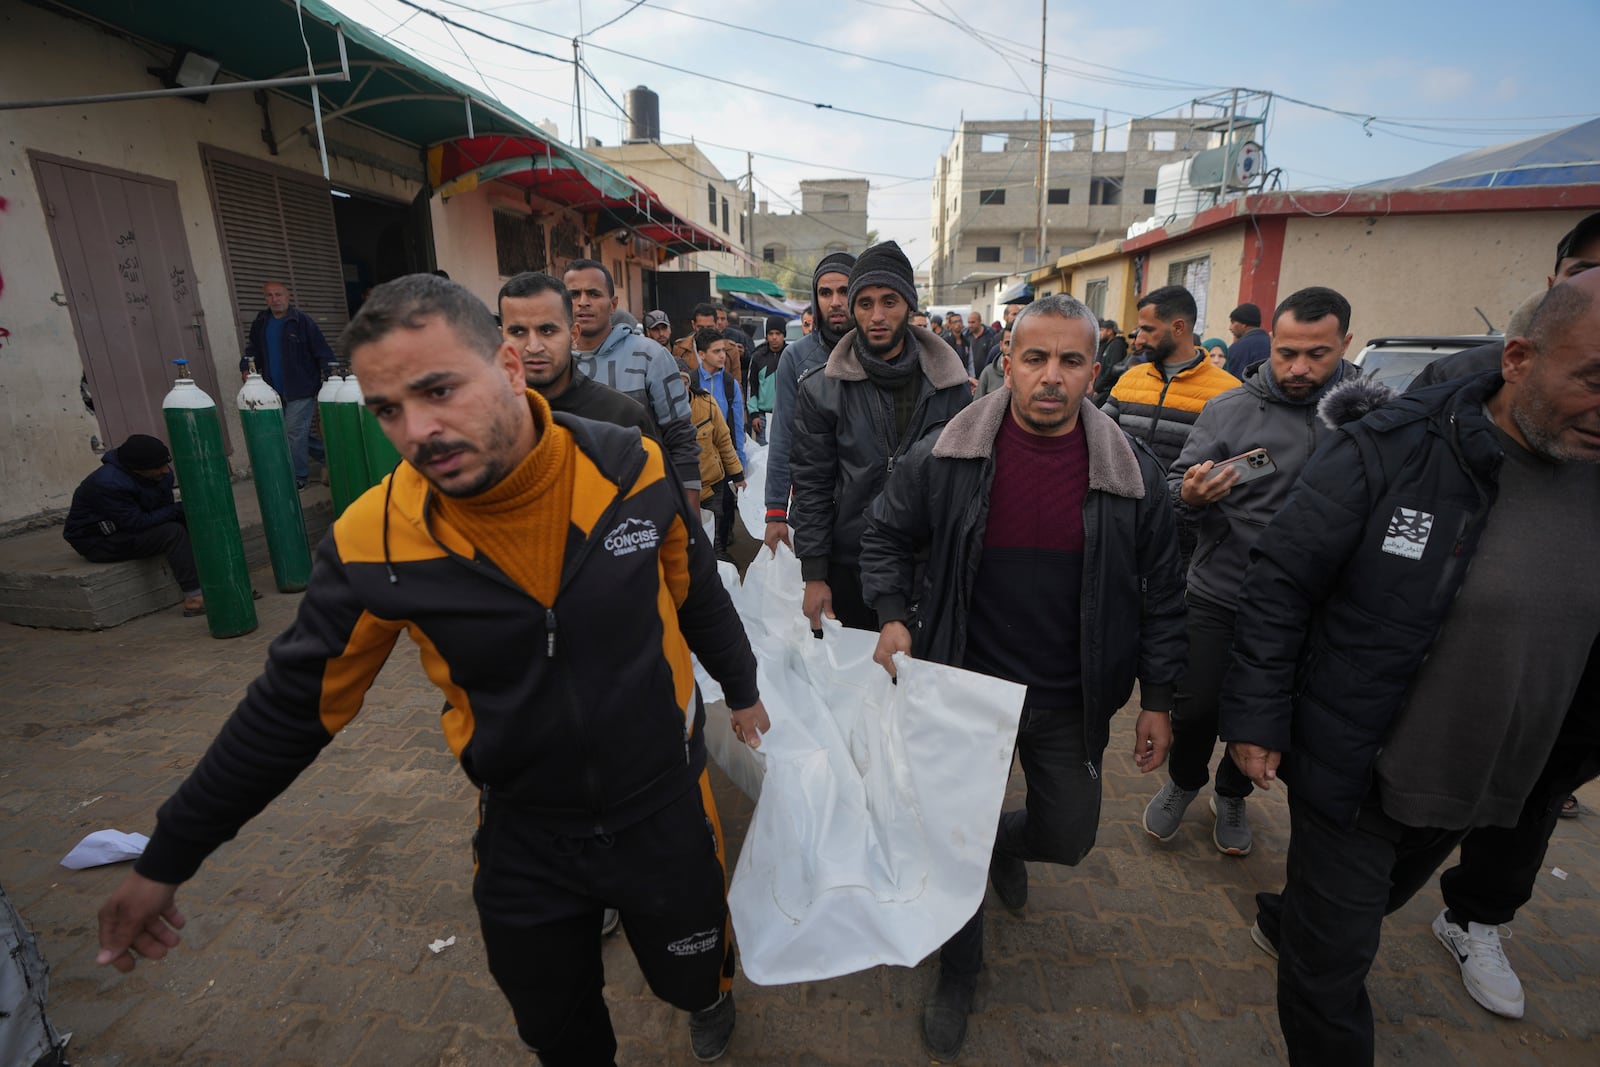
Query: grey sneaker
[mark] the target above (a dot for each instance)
(1485, 971)
(1263, 942)
(711, 1030)
(1165, 810)
(1232, 829)
(609, 919)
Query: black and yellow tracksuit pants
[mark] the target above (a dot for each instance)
(540, 897)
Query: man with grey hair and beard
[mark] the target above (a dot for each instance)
(1051, 560)
(1409, 639)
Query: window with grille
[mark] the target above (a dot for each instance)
(519, 243)
(711, 202)
(566, 242)
(1195, 276)
(988, 253)
(1094, 295)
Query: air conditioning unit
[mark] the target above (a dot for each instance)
(1232, 167)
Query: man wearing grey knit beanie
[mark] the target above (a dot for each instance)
(886, 384)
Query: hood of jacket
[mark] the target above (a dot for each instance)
(940, 364)
(1113, 467)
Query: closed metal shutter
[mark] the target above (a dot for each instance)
(277, 224)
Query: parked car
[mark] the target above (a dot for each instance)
(1394, 361)
(792, 331)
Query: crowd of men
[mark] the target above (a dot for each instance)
(1350, 590)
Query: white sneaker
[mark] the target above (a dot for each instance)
(1485, 971)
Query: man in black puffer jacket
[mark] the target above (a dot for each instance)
(885, 386)
(1052, 560)
(1406, 699)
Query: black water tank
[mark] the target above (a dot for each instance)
(644, 115)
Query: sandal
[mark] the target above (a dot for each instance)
(1570, 807)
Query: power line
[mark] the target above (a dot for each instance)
(619, 18)
(668, 66)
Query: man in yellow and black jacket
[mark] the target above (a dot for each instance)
(1158, 401)
(547, 570)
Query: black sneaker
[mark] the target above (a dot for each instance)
(944, 1018)
(711, 1030)
(1009, 876)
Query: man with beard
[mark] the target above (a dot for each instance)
(658, 327)
(808, 322)
(1113, 360)
(761, 378)
(1276, 410)
(884, 386)
(1411, 633)
(634, 366)
(537, 561)
(1157, 402)
(703, 317)
(1052, 561)
(830, 297)
(983, 344)
(536, 319)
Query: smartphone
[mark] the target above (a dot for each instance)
(1250, 465)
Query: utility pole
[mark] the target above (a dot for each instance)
(1044, 140)
(749, 202)
(577, 90)
(1044, 216)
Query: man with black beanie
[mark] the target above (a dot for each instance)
(125, 510)
(885, 385)
(761, 377)
(1251, 344)
(829, 297)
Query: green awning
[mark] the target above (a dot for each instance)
(391, 91)
(733, 283)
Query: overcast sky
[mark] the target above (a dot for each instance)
(1461, 74)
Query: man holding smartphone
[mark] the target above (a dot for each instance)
(1275, 411)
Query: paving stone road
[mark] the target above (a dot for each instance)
(308, 937)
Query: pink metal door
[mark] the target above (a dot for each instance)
(131, 290)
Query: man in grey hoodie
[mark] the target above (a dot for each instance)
(830, 286)
(1276, 410)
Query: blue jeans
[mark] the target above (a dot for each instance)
(302, 443)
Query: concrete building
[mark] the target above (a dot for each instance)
(985, 200)
(1417, 261)
(832, 218)
(137, 231)
(691, 186)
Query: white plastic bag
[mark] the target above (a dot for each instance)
(752, 498)
(870, 843)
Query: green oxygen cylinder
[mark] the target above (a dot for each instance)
(195, 431)
(349, 404)
(261, 413)
(347, 463)
(382, 456)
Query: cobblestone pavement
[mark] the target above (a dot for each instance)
(308, 937)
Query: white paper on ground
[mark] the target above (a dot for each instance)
(105, 846)
(870, 842)
(440, 945)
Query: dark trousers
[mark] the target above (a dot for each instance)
(540, 898)
(170, 539)
(849, 607)
(1326, 923)
(717, 504)
(1498, 864)
(1058, 823)
(1194, 710)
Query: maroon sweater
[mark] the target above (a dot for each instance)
(1023, 624)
